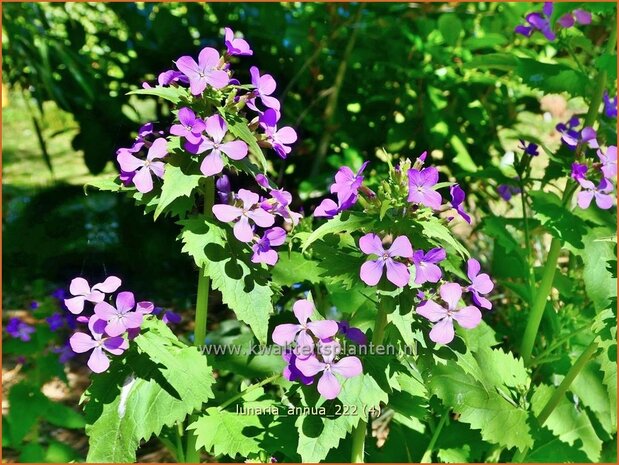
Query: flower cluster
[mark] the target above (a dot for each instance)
(605, 171)
(540, 21)
(314, 348)
(110, 327)
(346, 187)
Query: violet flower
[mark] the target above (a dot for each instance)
(279, 203)
(328, 386)
(443, 330)
(291, 372)
(457, 199)
(55, 321)
(264, 86)
(280, 139)
(538, 22)
(236, 46)
(18, 329)
(98, 341)
(224, 189)
(170, 76)
(263, 248)
(481, 284)
(144, 169)
(285, 334)
(609, 161)
(426, 269)
(354, 334)
(529, 148)
(506, 191)
(82, 291)
(213, 163)
(242, 215)
(420, 187)
(372, 271)
(577, 16)
(601, 193)
(579, 171)
(569, 135)
(34, 305)
(65, 353)
(328, 208)
(122, 317)
(204, 72)
(190, 127)
(610, 106)
(171, 318)
(347, 183)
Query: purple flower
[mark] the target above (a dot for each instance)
(506, 191)
(569, 135)
(347, 183)
(241, 215)
(144, 169)
(18, 329)
(120, 318)
(190, 127)
(328, 385)
(34, 305)
(236, 46)
(171, 318)
(426, 269)
(213, 163)
(372, 270)
(610, 105)
(577, 16)
(328, 208)
(204, 72)
(83, 292)
(279, 202)
(481, 284)
(279, 139)
(457, 199)
(223, 188)
(351, 333)
(291, 372)
(97, 341)
(264, 86)
(589, 136)
(55, 321)
(578, 171)
(443, 331)
(420, 187)
(168, 77)
(609, 161)
(529, 148)
(538, 22)
(263, 252)
(285, 334)
(601, 193)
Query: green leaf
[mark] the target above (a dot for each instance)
(450, 27)
(294, 268)
(345, 221)
(105, 184)
(500, 61)
(463, 158)
(553, 78)
(238, 126)
(27, 404)
(607, 62)
(244, 286)
(172, 94)
(499, 421)
(557, 219)
(176, 184)
(568, 423)
(436, 232)
(318, 434)
(157, 385)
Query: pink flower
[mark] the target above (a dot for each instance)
(122, 317)
(328, 385)
(236, 46)
(83, 292)
(609, 161)
(443, 331)
(250, 210)
(601, 193)
(97, 341)
(481, 284)
(263, 248)
(204, 72)
(372, 270)
(144, 169)
(280, 139)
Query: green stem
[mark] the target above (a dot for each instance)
(559, 393)
(180, 453)
(527, 239)
(359, 433)
(247, 390)
(427, 455)
(543, 291)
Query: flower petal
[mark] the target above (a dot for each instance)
(283, 335)
(401, 247)
(79, 286)
(212, 164)
(311, 366)
(236, 149)
(443, 332)
(303, 310)
(216, 127)
(98, 361)
(243, 230)
(371, 272)
(328, 385)
(75, 304)
(261, 217)
(323, 329)
(111, 284)
(105, 311)
(348, 367)
(432, 311)
(143, 180)
(125, 301)
(371, 244)
(81, 342)
(226, 213)
(397, 273)
(467, 317)
(451, 293)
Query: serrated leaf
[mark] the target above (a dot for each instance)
(568, 423)
(106, 184)
(437, 233)
(345, 221)
(244, 286)
(172, 94)
(155, 386)
(176, 184)
(557, 219)
(293, 267)
(553, 78)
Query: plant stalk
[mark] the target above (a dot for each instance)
(359, 433)
(427, 455)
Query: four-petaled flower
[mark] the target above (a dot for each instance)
(264, 86)
(204, 72)
(236, 46)
(328, 385)
(372, 270)
(122, 317)
(263, 248)
(426, 269)
(347, 183)
(144, 169)
(250, 210)
(481, 284)
(280, 139)
(539, 22)
(443, 330)
(190, 127)
(82, 291)
(577, 16)
(420, 187)
(285, 334)
(601, 193)
(213, 163)
(98, 341)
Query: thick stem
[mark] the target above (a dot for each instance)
(559, 393)
(359, 433)
(427, 455)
